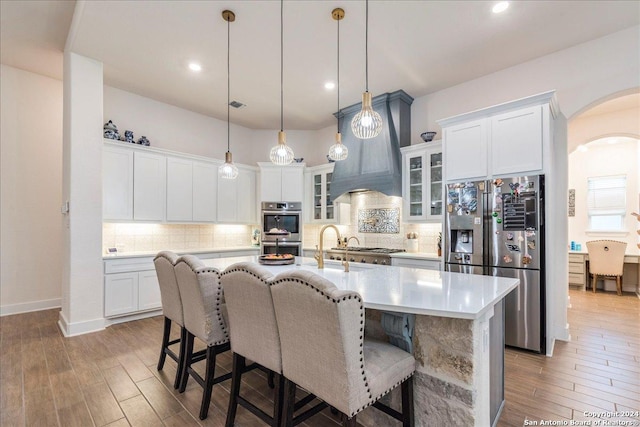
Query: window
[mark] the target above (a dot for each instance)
(607, 202)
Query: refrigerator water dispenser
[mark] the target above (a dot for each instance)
(462, 241)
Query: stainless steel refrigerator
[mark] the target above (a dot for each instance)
(497, 228)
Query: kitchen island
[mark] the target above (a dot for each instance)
(456, 333)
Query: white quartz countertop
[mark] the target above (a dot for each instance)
(183, 252)
(401, 289)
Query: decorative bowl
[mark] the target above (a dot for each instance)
(428, 136)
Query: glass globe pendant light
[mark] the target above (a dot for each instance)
(338, 151)
(367, 123)
(281, 154)
(228, 170)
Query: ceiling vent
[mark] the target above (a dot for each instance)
(236, 104)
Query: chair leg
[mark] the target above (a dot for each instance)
(270, 379)
(594, 283)
(349, 422)
(179, 370)
(188, 355)
(289, 403)
(407, 402)
(236, 379)
(165, 342)
(619, 284)
(278, 397)
(210, 371)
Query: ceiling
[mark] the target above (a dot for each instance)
(418, 46)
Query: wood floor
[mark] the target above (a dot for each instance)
(109, 378)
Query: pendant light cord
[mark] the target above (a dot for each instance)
(228, 83)
(281, 65)
(338, 49)
(366, 46)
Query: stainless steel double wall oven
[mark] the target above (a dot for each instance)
(281, 224)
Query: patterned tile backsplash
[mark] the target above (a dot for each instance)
(427, 232)
(157, 237)
(379, 220)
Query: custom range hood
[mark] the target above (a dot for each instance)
(374, 164)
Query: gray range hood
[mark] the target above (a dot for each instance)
(374, 164)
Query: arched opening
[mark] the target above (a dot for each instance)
(604, 147)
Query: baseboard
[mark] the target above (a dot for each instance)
(137, 316)
(26, 307)
(79, 328)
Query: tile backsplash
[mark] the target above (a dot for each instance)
(427, 232)
(157, 237)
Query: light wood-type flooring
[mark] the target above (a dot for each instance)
(110, 377)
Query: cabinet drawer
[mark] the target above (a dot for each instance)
(576, 279)
(576, 258)
(416, 263)
(576, 268)
(124, 265)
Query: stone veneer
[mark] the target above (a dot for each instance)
(443, 382)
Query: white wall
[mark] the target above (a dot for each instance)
(592, 127)
(31, 185)
(581, 75)
(604, 160)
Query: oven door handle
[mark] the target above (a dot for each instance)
(281, 212)
(281, 244)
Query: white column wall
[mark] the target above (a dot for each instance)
(82, 278)
(30, 180)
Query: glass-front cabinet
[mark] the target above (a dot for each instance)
(320, 207)
(422, 181)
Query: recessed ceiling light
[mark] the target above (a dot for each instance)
(195, 67)
(500, 7)
(329, 85)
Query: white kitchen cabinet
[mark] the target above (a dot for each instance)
(148, 291)
(149, 189)
(516, 141)
(237, 198)
(120, 294)
(281, 183)
(117, 183)
(191, 190)
(320, 209)
(422, 182)
(502, 140)
(465, 150)
(427, 264)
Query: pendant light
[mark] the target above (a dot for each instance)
(338, 151)
(228, 170)
(367, 123)
(281, 154)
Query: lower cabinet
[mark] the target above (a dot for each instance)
(577, 271)
(126, 293)
(426, 264)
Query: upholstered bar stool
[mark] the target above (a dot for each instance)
(254, 334)
(171, 309)
(324, 350)
(204, 318)
(606, 258)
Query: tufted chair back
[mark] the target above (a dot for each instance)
(202, 301)
(606, 257)
(169, 292)
(254, 332)
(322, 337)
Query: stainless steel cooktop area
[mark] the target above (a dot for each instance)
(362, 254)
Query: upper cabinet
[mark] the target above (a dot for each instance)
(281, 183)
(506, 139)
(422, 182)
(318, 205)
(237, 198)
(146, 184)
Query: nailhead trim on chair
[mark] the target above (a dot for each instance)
(218, 310)
(346, 297)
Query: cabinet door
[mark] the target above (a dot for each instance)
(246, 199)
(120, 294)
(117, 183)
(228, 198)
(434, 164)
(271, 184)
(466, 148)
(292, 184)
(516, 141)
(149, 184)
(148, 291)
(318, 201)
(205, 184)
(179, 190)
(415, 192)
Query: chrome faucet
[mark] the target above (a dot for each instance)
(319, 256)
(345, 263)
